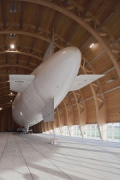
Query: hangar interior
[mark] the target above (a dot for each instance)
(26, 30)
(92, 26)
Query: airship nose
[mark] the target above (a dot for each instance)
(71, 52)
(65, 59)
(71, 56)
(67, 56)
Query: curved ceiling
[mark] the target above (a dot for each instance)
(29, 25)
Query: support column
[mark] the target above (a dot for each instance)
(81, 123)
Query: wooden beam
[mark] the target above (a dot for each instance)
(34, 35)
(101, 111)
(79, 115)
(16, 65)
(23, 53)
(66, 111)
(101, 116)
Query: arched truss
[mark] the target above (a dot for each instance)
(29, 30)
(15, 66)
(23, 51)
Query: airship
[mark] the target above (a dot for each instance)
(43, 90)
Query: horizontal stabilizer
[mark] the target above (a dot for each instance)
(19, 83)
(48, 112)
(83, 80)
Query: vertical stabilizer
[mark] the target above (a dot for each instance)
(48, 112)
(50, 49)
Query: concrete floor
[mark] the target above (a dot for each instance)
(32, 157)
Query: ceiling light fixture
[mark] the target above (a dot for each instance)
(12, 46)
(1, 108)
(92, 45)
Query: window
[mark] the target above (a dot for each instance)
(75, 131)
(113, 132)
(57, 131)
(110, 131)
(116, 131)
(91, 131)
(65, 131)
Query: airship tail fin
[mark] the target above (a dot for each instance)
(48, 112)
(19, 83)
(50, 49)
(83, 80)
